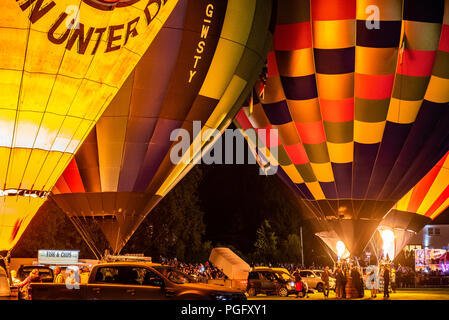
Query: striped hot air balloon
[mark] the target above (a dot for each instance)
(361, 111)
(61, 63)
(201, 67)
(422, 204)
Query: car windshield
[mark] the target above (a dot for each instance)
(43, 272)
(175, 275)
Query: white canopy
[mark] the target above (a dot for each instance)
(232, 265)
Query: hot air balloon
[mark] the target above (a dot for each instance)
(201, 67)
(358, 92)
(422, 204)
(61, 63)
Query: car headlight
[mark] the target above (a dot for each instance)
(220, 296)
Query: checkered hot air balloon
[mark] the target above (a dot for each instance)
(361, 112)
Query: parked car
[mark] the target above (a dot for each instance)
(313, 279)
(134, 281)
(332, 280)
(269, 281)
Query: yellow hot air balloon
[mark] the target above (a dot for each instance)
(61, 63)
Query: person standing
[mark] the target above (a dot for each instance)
(386, 281)
(24, 286)
(345, 274)
(339, 288)
(59, 278)
(393, 280)
(356, 281)
(298, 285)
(372, 279)
(84, 275)
(325, 278)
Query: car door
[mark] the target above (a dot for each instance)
(106, 285)
(268, 282)
(305, 276)
(149, 285)
(318, 279)
(254, 280)
(313, 282)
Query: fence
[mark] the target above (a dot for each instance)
(432, 281)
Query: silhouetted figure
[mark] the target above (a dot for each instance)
(386, 282)
(325, 278)
(357, 282)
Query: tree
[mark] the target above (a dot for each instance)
(233, 249)
(291, 249)
(175, 227)
(50, 229)
(266, 243)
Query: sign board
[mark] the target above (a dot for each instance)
(58, 256)
(426, 257)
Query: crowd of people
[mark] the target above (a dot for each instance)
(201, 272)
(431, 278)
(291, 267)
(405, 277)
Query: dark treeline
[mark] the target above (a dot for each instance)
(50, 229)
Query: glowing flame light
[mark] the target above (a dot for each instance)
(341, 248)
(388, 243)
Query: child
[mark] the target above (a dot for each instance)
(373, 284)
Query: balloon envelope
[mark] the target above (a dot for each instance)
(361, 112)
(61, 63)
(422, 204)
(201, 66)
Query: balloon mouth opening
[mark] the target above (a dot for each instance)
(107, 5)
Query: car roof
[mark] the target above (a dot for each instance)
(36, 266)
(268, 268)
(143, 264)
(264, 269)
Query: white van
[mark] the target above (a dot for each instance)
(4, 284)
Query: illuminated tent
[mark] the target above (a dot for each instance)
(201, 67)
(61, 63)
(422, 204)
(361, 112)
(234, 267)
